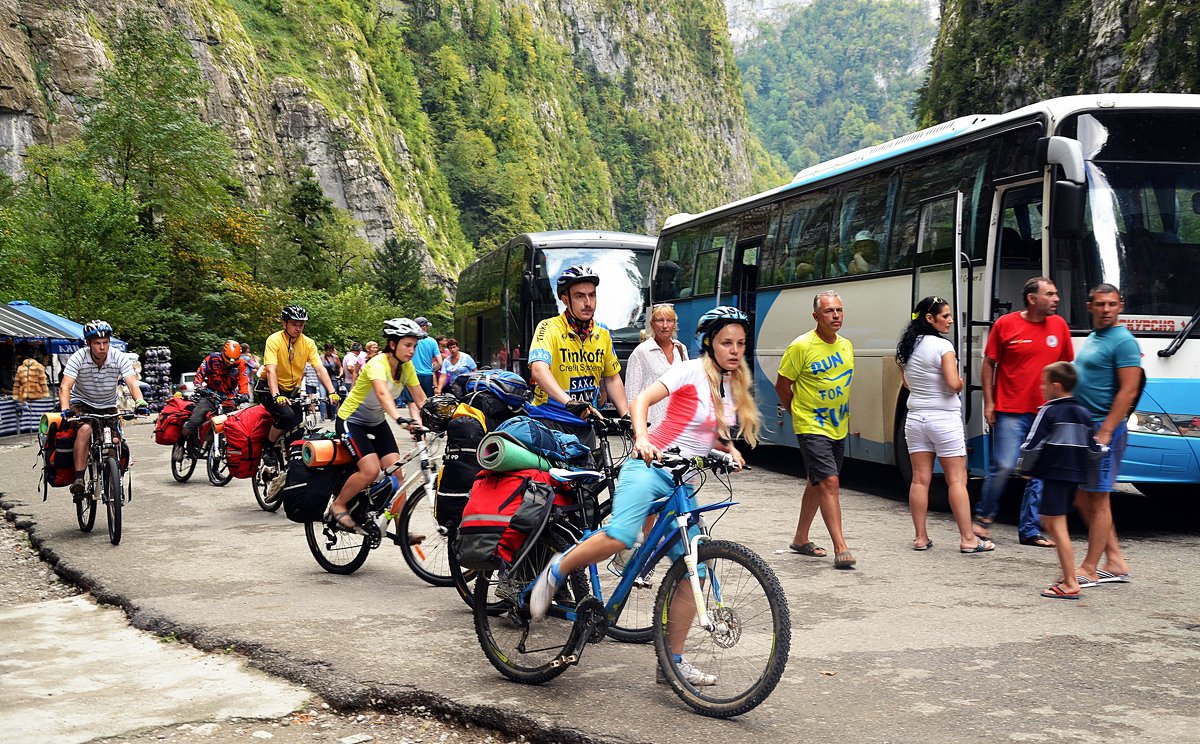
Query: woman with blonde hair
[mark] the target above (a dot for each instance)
(653, 357)
(708, 399)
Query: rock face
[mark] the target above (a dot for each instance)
(745, 16)
(993, 57)
(335, 118)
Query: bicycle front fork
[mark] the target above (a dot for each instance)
(690, 560)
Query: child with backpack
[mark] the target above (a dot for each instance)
(1060, 450)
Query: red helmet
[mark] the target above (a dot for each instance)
(232, 350)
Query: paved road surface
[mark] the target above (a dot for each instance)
(931, 645)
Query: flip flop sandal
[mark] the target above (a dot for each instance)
(982, 546)
(1054, 591)
(810, 549)
(844, 560)
(926, 546)
(1108, 577)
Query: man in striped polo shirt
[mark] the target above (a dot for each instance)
(89, 385)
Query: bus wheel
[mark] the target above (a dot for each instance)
(900, 448)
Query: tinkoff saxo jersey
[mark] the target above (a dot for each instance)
(578, 364)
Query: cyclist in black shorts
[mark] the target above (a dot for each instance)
(362, 418)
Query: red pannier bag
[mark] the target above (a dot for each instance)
(245, 434)
(59, 454)
(504, 510)
(168, 428)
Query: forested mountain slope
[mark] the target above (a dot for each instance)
(994, 57)
(451, 123)
(828, 77)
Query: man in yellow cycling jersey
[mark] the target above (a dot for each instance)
(571, 356)
(288, 351)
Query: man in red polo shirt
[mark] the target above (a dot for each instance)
(1019, 346)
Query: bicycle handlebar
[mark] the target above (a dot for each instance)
(606, 426)
(718, 462)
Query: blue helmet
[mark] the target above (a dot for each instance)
(714, 320)
(97, 329)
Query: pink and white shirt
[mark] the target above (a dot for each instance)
(690, 423)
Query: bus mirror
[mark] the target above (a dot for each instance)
(1063, 151)
(1066, 219)
(526, 287)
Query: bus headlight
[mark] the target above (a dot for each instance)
(1152, 423)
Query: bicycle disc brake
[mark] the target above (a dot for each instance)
(728, 630)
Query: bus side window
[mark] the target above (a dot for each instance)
(861, 227)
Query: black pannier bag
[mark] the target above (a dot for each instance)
(307, 491)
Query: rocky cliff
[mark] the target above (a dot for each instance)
(992, 57)
(610, 115)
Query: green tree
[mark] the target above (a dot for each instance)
(145, 133)
(312, 243)
(397, 275)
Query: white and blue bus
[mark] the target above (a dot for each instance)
(1083, 189)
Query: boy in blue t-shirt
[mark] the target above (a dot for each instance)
(1060, 451)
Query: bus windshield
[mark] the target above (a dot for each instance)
(622, 294)
(1143, 216)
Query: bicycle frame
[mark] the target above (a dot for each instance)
(675, 517)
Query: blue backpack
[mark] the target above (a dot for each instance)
(536, 437)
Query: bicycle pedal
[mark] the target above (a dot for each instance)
(566, 660)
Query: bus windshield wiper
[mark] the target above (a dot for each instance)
(1181, 336)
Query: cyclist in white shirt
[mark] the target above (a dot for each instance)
(89, 385)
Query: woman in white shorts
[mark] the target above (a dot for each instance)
(934, 424)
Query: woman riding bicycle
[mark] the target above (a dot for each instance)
(361, 419)
(705, 398)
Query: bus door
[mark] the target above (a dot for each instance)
(744, 286)
(938, 260)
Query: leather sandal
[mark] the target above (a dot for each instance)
(343, 520)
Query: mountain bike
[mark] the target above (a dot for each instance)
(204, 443)
(104, 471)
(422, 541)
(741, 630)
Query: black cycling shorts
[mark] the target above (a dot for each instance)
(285, 416)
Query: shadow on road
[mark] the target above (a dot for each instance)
(1135, 514)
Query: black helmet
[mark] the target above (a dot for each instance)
(294, 312)
(97, 329)
(573, 275)
(437, 410)
(714, 320)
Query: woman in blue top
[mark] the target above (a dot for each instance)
(456, 363)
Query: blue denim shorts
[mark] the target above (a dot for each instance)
(1105, 475)
(638, 487)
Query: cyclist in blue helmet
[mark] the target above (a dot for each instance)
(709, 400)
(89, 385)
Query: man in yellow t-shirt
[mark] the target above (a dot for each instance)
(814, 384)
(287, 352)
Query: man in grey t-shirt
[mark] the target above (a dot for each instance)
(89, 385)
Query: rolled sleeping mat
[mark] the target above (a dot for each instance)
(318, 453)
(48, 418)
(497, 452)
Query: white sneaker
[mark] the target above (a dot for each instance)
(543, 592)
(690, 674)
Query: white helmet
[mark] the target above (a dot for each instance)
(401, 327)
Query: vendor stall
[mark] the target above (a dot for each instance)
(22, 338)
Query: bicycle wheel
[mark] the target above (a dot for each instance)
(336, 551)
(218, 467)
(430, 559)
(260, 485)
(85, 507)
(181, 465)
(464, 579)
(114, 497)
(747, 650)
(522, 650)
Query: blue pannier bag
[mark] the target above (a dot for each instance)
(540, 439)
